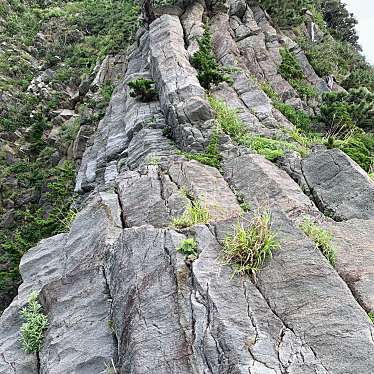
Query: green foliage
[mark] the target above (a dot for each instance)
(344, 110)
(212, 156)
(32, 330)
(143, 89)
(270, 92)
(299, 118)
(341, 23)
(360, 77)
(35, 223)
(193, 215)
(209, 71)
(188, 247)
(321, 237)
(247, 248)
(371, 316)
(231, 124)
(359, 147)
(332, 57)
(290, 70)
(286, 12)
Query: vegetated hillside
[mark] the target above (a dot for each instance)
(222, 217)
(53, 94)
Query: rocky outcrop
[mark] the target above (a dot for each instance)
(116, 288)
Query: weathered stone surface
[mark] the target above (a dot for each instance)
(340, 188)
(193, 26)
(308, 296)
(145, 307)
(262, 184)
(353, 241)
(182, 98)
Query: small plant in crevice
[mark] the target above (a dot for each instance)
(188, 247)
(212, 155)
(193, 215)
(371, 316)
(321, 237)
(250, 244)
(143, 89)
(32, 330)
(246, 207)
(209, 72)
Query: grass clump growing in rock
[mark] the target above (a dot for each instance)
(212, 156)
(143, 89)
(193, 215)
(321, 237)
(209, 71)
(231, 124)
(247, 248)
(371, 316)
(32, 330)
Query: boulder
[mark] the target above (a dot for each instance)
(340, 188)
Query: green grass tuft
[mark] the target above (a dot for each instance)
(371, 316)
(247, 248)
(231, 124)
(193, 215)
(32, 330)
(321, 237)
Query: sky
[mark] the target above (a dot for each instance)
(364, 13)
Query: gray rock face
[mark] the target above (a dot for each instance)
(340, 188)
(262, 184)
(117, 289)
(182, 98)
(353, 241)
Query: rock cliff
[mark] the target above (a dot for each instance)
(121, 298)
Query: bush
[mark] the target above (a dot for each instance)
(344, 110)
(209, 72)
(144, 89)
(194, 215)
(247, 248)
(286, 12)
(359, 147)
(321, 237)
(32, 330)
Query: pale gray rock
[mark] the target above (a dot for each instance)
(262, 184)
(182, 99)
(340, 188)
(353, 242)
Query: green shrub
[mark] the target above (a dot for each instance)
(32, 330)
(297, 117)
(345, 110)
(286, 12)
(209, 72)
(144, 89)
(359, 147)
(360, 77)
(193, 215)
(291, 71)
(188, 247)
(321, 237)
(247, 248)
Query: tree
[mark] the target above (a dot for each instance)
(341, 23)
